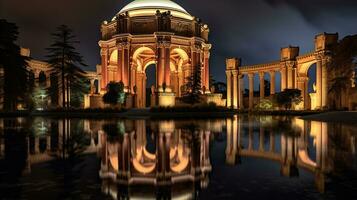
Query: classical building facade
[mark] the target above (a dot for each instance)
(293, 69)
(153, 32)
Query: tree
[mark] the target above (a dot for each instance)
(342, 66)
(287, 98)
(65, 63)
(192, 88)
(115, 93)
(13, 67)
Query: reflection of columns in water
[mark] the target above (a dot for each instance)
(321, 135)
(261, 138)
(272, 141)
(167, 155)
(250, 132)
(251, 90)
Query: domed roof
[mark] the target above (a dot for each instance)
(165, 5)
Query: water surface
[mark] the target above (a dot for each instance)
(247, 157)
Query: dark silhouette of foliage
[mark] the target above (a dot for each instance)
(65, 62)
(114, 94)
(192, 88)
(13, 67)
(287, 98)
(342, 66)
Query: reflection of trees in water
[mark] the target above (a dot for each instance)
(114, 130)
(341, 140)
(284, 125)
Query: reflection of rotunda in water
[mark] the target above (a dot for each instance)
(154, 155)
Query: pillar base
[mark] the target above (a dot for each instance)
(166, 99)
(129, 103)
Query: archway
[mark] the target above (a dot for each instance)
(179, 61)
(144, 57)
(150, 74)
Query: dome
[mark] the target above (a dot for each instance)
(150, 6)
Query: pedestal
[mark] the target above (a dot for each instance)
(313, 101)
(166, 99)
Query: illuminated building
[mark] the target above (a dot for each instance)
(153, 32)
(293, 69)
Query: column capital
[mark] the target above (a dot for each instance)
(251, 75)
(104, 51)
(228, 73)
(272, 73)
(196, 48)
(261, 74)
(235, 73)
(123, 45)
(163, 44)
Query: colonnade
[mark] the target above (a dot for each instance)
(289, 150)
(293, 69)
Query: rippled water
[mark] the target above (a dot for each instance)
(247, 157)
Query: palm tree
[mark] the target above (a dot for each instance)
(65, 62)
(13, 66)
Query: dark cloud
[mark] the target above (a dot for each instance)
(254, 30)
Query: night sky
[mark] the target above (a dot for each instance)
(254, 30)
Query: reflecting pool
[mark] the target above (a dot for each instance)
(247, 157)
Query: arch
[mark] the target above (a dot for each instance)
(143, 57)
(113, 60)
(180, 56)
(304, 67)
(138, 161)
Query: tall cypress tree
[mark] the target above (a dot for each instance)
(13, 67)
(192, 93)
(65, 63)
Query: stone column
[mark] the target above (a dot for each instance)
(240, 91)
(283, 79)
(206, 68)
(251, 90)
(132, 79)
(262, 84)
(235, 89)
(302, 85)
(272, 82)
(319, 83)
(126, 64)
(229, 89)
(324, 83)
(163, 65)
(167, 70)
(290, 77)
(120, 62)
(104, 54)
(92, 86)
